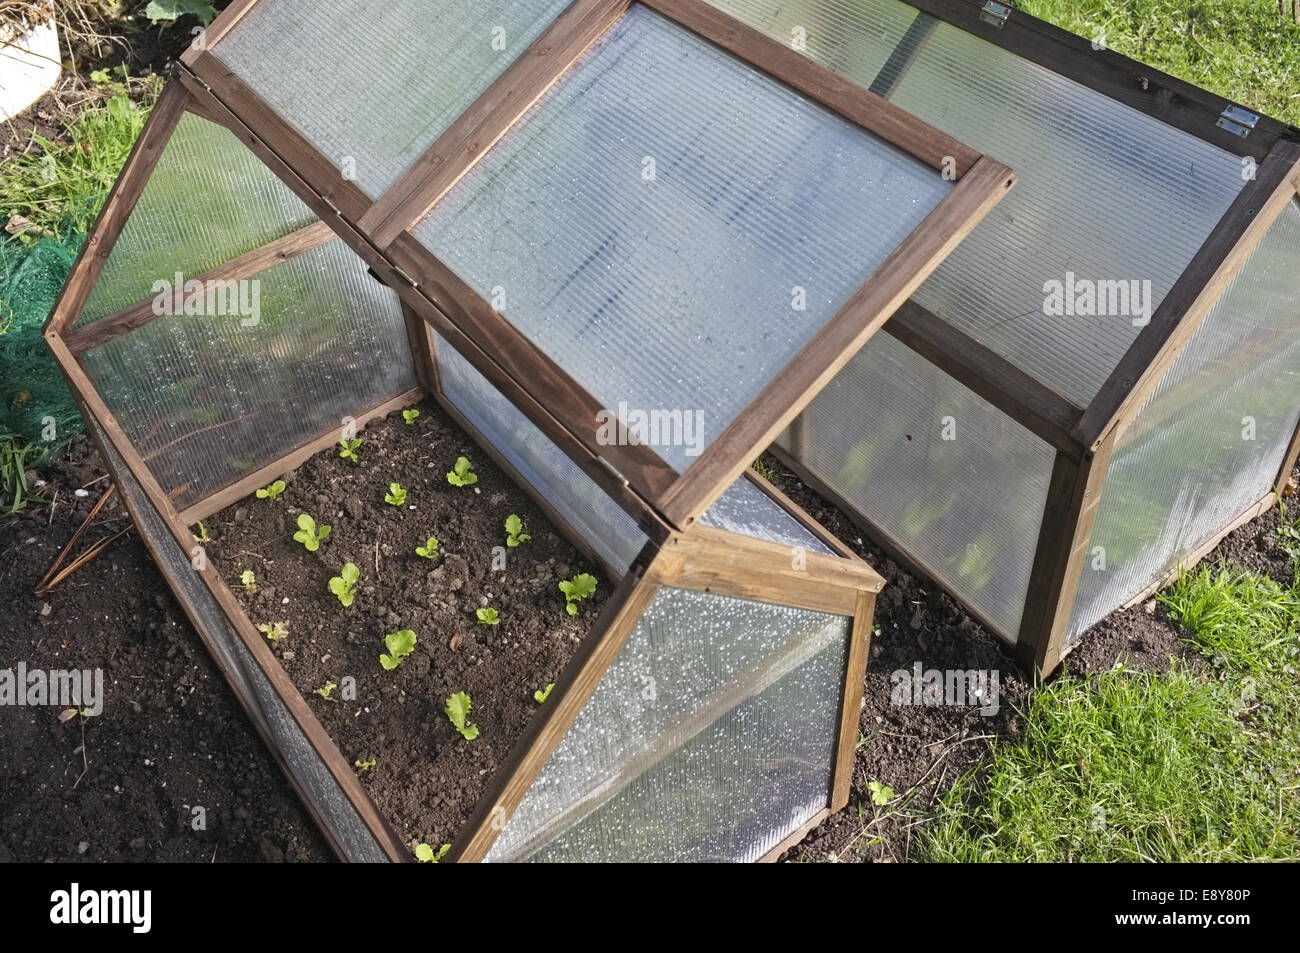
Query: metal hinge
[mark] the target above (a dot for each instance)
(995, 13)
(614, 470)
(1237, 121)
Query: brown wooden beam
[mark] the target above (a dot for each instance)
(837, 342)
(1194, 294)
(254, 262)
(855, 673)
(842, 96)
(490, 116)
(1023, 398)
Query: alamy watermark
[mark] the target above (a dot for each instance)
(214, 298)
(82, 689)
(627, 426)
(1102, 297)
(933, 688)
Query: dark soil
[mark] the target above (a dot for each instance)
(426, 778)
(171, 736)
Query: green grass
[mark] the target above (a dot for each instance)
(1244, 50)
(1170, 766)
(59, 188)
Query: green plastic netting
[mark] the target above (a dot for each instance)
(32, 390)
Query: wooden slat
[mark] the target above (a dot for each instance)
(1073, 495)
(489, 117)
(167, 112)
(1033, 405)
(714, 560)
(1288, 462)
(572, 690)
(315, 733)
(1157, 94)
(523, 361)
(1195, 292)
(773, 855)
(846, 746)
(226, 21)
(324, 175)
(836, 343)
(218, 500)
(420, 339)
(254, 262)
(843, 96)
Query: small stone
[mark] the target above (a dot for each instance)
(46, 608)
(1150, 607)
(83, 847)
(241, 514)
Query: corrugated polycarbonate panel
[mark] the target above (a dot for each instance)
(1209, 441)
(208, 200)
(968, 508)
(747, 510)
(373, 85)
(710, 738)
(207, 399)
(247, 680)
(600, 521)
(1105, 193)
(655, 223)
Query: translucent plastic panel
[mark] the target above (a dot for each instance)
(968, 508)
(207, 400)
(1104, 192)
(1210, 440)
(653, 223)
(710, 738)
(605, 525)
(747, 510)
(373, 85)
(250, 685)
(207, 201)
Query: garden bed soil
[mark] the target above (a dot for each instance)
(426, 778)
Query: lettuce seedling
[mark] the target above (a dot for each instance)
(348, 449)
(462, 474)
(458, 706)
(395, 496)
(326, 690)
(429, 550)
(248, 581)
(364, 765)
(410, 416)
(577, 589)
(309, 534)
(202, 536)
(427, 855)
(271, 492)
(515, 531)
(487, 616)
(345, 582)
(274, 631)
(399, 645)
(543, 694)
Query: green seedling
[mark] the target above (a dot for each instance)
(462, 473)
(410, 416)
(309, 534)
(881, 794)
(271, 492)
(541, 695)
(274, 631)
(345, 582)
(364, 765)
(577, 589)
(458, 706)
(326, 690)
(487, 616)
(248, 581)
(399, 645)
(348, 449)
(427, 855)
(395, 496)
(429, 550)
(202, 535)
(515, 531)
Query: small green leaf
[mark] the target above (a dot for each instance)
(399, 645)
(429, 550)
(457, 709)
(461, 474)
(395, 496)
(326, 690)
(487, 616)
(543, 694)
(881, 794)
(410, 416)
(576, 589)
(169, 11)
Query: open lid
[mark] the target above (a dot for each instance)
(667, 231)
